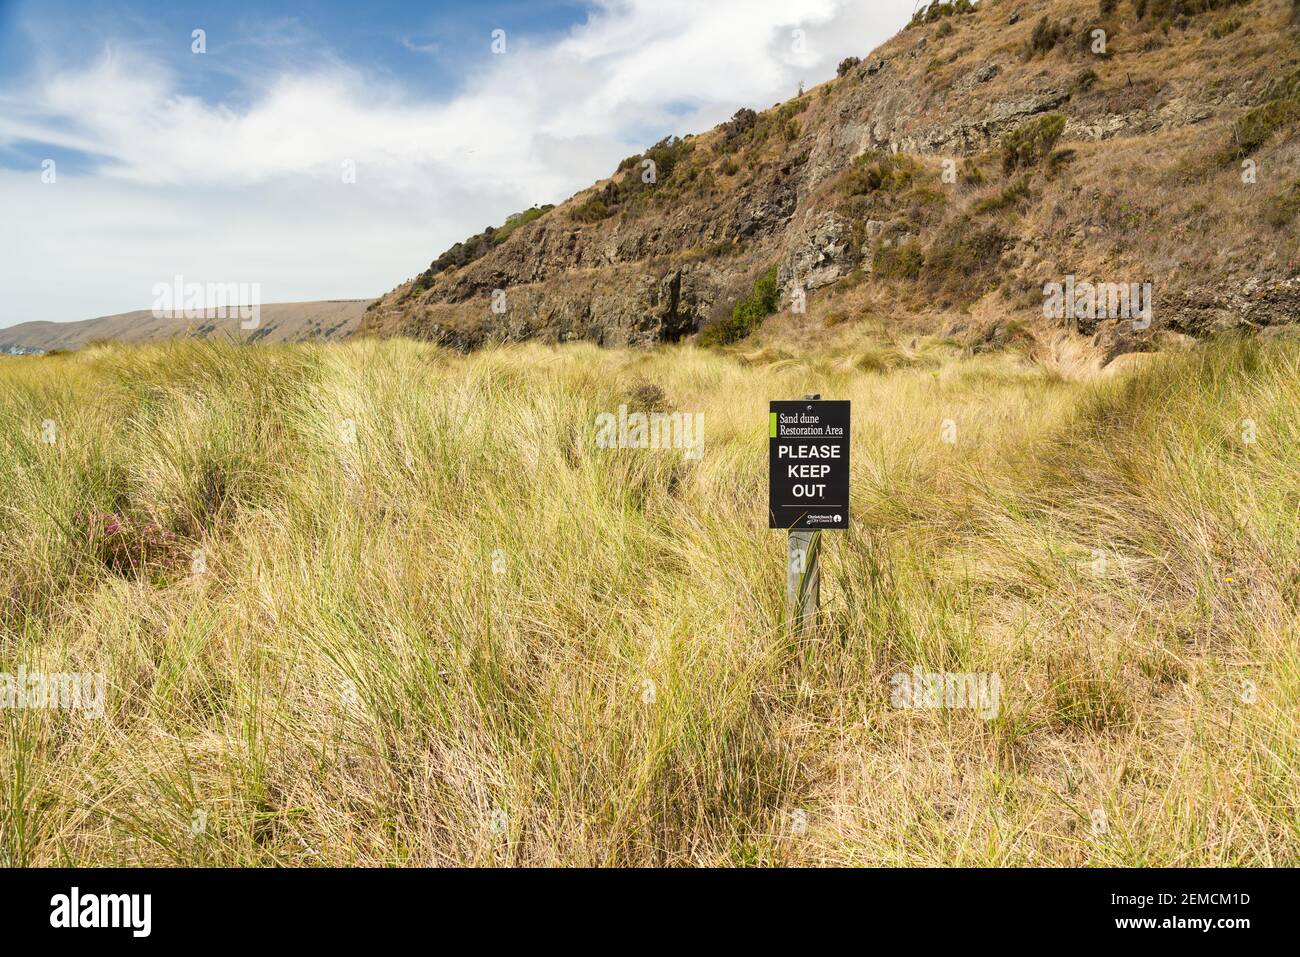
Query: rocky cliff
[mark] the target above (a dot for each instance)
(945, 179)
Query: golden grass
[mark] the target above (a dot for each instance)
(470, 636)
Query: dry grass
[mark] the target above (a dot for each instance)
(351, 682)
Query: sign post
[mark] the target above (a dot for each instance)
(803, 578)
(808, 492)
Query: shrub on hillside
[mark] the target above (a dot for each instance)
(881, 172)
(1282, 210)
(778, 121)
(1286, 86)
(1031, 142)
(1169, 10)
(962, 264)
(1048, 36)
(1224, 27)
(849, 62)
(517, 220)
(939, 10)
(666, 156)
(898, 261)
(464, 253)
(747, 314)
(668, 160)
(1058, 160)
(459, 255)
(592, 211)
(1010, 197)
(1257, 127)
(971, 174)
(740, 123)
(1045, 37)
(750, 129)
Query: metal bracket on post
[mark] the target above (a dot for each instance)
(803, 579)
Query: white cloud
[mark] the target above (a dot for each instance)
(251, 189)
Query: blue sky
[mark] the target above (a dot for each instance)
(231, 165)
(432, 47)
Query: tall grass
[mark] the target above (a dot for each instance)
(454, 631)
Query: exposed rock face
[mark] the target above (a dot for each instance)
(604, 306)
(819, 253)
(1120, 197)
(970, 136)
(1254, 303)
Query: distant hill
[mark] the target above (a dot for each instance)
(279, 322)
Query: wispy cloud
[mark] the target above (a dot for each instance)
(430, 46)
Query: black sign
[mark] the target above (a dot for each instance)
(808, 457)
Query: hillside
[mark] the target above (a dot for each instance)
(937, 185)
(279, 322)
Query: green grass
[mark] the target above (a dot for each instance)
(431, 645)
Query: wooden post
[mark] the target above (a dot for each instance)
(803, 578)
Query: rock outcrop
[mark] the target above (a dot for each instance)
(970, 160)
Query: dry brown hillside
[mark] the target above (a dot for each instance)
(936, 184)
(278, 322)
